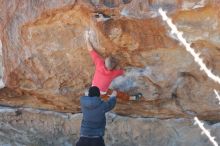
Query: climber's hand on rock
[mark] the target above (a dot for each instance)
(127, 69)
(88, 43)
(87, 35)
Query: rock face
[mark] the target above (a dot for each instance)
(45, 128)
(1, 67)
(46, 64)
(46, 60)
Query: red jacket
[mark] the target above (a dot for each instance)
(103, 77)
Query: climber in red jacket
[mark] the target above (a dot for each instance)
(105, 72)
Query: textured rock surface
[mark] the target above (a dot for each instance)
(45, 59)
(46, 66)
(1, 67)
(45, 128)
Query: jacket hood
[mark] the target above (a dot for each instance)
(90, 102)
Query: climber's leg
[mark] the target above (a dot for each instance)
(121, 96)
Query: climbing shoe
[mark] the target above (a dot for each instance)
(136, 97)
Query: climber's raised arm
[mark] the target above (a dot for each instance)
(95, 56)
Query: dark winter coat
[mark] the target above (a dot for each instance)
(94, 120)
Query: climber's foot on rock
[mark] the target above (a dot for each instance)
(136, 97)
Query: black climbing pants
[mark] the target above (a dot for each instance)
(86, 141)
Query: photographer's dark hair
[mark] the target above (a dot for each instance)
(94, 91)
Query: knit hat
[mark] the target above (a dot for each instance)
(94, 91)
